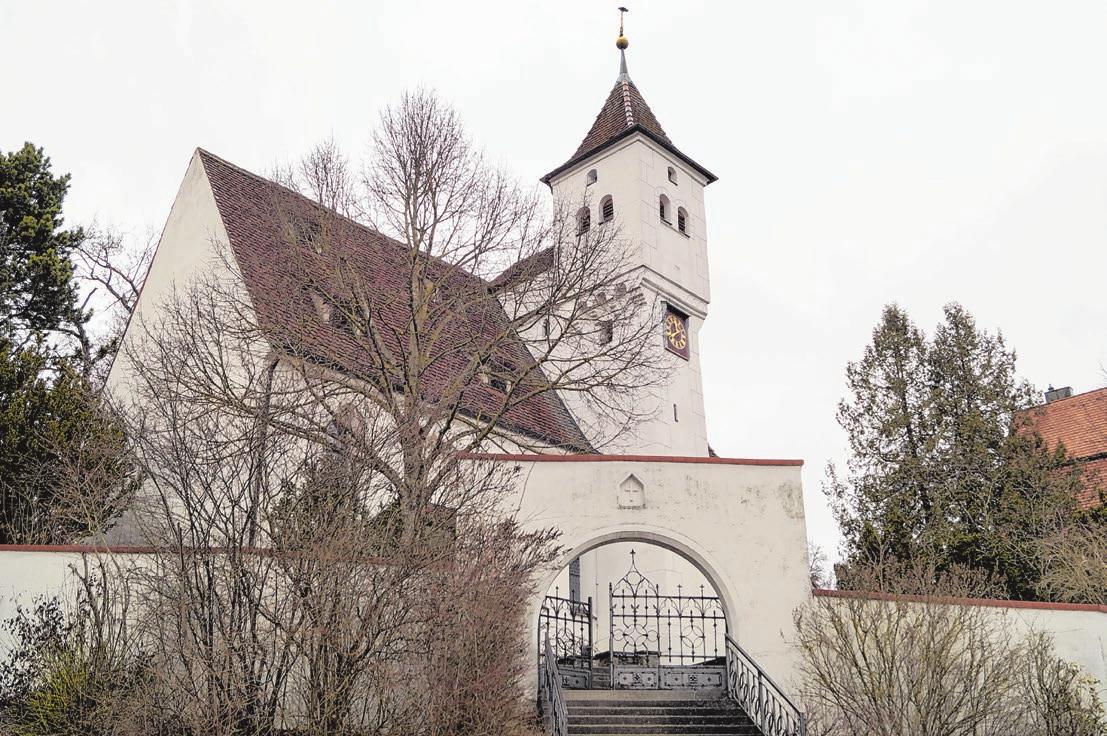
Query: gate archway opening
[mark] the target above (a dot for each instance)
(634, 615)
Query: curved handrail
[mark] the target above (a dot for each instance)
(759, 695)
(558, 721)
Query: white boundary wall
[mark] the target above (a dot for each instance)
(1079, 631)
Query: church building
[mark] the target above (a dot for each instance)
(681, 570)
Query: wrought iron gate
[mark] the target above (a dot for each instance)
(661, 641)
(567, 625)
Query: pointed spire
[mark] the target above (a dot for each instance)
(621, 43)
(624, 112)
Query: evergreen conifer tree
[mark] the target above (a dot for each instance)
(939, 469)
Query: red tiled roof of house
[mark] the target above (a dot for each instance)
(257, 214)
(1079, 423)
(1095, 482)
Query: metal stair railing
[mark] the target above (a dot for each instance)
(762, 699)
(552, 698)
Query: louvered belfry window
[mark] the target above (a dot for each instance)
(607, 209)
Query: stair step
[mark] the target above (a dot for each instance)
(691, 711)
(658, 721)
(705, 712)
(703, 695)
(693, 728)
(635, 704)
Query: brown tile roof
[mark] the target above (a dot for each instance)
(280, 279)
(1080, 424)
(1095, 482)
(524, 269)
(625, 107)
(624, 112)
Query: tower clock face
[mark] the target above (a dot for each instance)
(675, 330)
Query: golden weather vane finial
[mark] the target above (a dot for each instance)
(621, 42)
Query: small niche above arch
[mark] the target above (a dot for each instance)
(672, 175)
(632, 493)
(591, 178)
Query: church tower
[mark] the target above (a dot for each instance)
(628, 168)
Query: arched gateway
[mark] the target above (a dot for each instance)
(643, 635)
(740, 522)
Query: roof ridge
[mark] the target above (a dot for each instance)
(628, 104)
(1082, 394)
(323, 208)
(299, 195)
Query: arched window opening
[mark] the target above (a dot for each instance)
(584, 220)
(607, 209)
(591, 178)
(672, 175)
(682, 220)
(663, 208)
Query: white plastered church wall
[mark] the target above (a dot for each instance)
(672, 267)
(193, 245)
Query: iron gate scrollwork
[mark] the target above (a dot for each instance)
(567, 625)
(662, 641)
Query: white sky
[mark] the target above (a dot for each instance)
(868, 151)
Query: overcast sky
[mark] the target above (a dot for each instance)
(867, 151)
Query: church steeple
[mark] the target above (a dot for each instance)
(624, 113)
(627, 172)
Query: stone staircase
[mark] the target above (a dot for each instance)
(657, 712)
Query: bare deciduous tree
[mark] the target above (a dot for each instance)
(907, 659)
(111, 270)
(336, 562)
(1075, 564)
